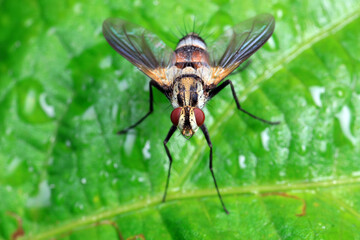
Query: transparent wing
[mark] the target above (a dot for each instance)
(238, 44)
(142, 48)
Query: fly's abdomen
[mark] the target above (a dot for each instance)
(191, 52)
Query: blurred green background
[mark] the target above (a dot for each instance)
(64, 92)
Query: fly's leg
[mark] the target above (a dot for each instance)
(152, 83)
(170, 133)
(228, 82)
(206, 133)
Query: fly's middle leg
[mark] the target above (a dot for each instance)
(216, 90)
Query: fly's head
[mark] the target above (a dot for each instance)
(187, 119)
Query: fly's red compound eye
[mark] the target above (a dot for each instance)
(175, 116)
(199, 116)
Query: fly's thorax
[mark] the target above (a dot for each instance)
(188, 90)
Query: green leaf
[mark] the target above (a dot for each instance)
(64, 92)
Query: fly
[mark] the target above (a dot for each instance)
(190, 75)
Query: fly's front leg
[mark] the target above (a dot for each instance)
(207, 136)
(170, 133)
(228, 82)
(152, 83)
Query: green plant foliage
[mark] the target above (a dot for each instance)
(64, 92)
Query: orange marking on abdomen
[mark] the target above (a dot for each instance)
(194, 58)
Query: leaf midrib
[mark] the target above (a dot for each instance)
(156, 201)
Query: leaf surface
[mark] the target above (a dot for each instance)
(64, 93)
